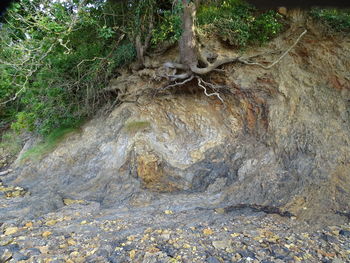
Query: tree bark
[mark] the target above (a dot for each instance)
(188, 43)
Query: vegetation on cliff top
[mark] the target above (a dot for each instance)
(57, 57)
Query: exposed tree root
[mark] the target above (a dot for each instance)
(193, 71)
(203, 84)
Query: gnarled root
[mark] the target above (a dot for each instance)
(193, 71)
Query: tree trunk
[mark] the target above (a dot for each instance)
(187, 43)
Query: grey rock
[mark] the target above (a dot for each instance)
(279, 139)
(345, 233)
(32, 252)
(328, 238)
(19, 256)
(222, 244)
(212, 259)
(247, 254)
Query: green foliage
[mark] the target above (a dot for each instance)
(238, 23)
(25, 121)
(212, 12)
(55, 63)
(57, 57)
(266, 26)
(337, 20)
(234, 31)
(169, 27)
(49, 144)
(141, 17)
(124, 54)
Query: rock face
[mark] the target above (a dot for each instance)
(282, 139)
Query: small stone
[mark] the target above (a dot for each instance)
(6, 256)
(6, 242)
(345, 233)
(13, 248)
(17, 257)
(44, 249)
(63, 246)
(10, 231)
(247, 254)
(84, 222)
(186, 246)
(28, 225)
(235, 235)
(74, 254)
(71, 242)
(297, 259)
(132, 254)
(207, 231)
(131, 238)
(236, 257)
(46, 234)
(222, 244)
(80, 260)
(212, 259)
(220, 210)
(33, 252)
(51, 222)
(165, 237)
(229, 250)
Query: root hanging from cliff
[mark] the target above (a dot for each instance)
(193, 71)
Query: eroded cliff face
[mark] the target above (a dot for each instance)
(282, 139)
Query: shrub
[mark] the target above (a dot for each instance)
(68, 63)
(337, 20)
(169, 27)
(266, 26)
(238, 23)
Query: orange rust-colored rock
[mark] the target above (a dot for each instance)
(152, 175)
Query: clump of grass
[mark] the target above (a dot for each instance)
(49, 144)
(135, 126)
